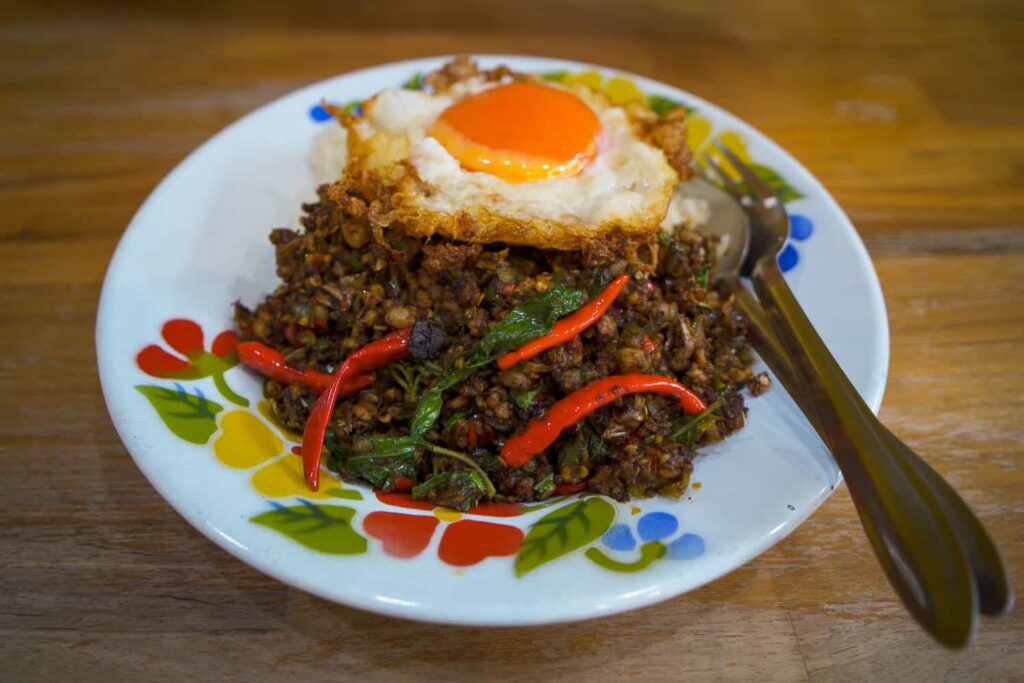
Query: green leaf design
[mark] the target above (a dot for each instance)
(554, 75)
(209, 364)
(326, 528)
(562, 531)
(414, 82)
(649, 552)
(661, 105)
(778, 184)
(188, 374)
(347, 494)
(190, 417)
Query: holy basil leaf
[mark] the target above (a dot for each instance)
(523, 397)
(573, 452)
(527, 321)
(429, 408)
(389, 457)
(338, 453)
(391, 446)
(688, 429)
(702, 275)
(427, 411)
(453, 420)
(460, 490)
(382, 472)
(545, 485)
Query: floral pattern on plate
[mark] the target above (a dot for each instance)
(245, 440)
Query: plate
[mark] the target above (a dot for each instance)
(192, 419)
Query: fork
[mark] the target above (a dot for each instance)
(934, 550)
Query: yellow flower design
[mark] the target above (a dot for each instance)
(246, 441)
(591, 79)
(730, 139)
(284, 477)
(621, 90)
(698, 131)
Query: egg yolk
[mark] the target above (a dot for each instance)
(520, 132)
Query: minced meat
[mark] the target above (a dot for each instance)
(341, 289)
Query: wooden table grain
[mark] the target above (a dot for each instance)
(911, 113)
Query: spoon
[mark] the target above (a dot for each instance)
(985, 571)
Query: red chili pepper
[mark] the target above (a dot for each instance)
(568, 489)
(542, 432)
(649, 346)
(270, 363)
(402, 484)
(568, 327)
(485, 436)
(391, 347)
(472, 434)
(291, 333)
(316, 429)
(356, 384)
(376, 354)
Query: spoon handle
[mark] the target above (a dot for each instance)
(991, 579)
(905, 523)
(990, 576)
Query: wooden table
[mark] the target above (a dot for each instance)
(911, 114)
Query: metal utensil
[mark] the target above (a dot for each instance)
(732, 225)
(935, 551)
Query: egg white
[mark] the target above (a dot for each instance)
(625, 188)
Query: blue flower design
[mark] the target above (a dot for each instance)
(655, 527)
(800, 229)
(619, 537)
(686, 547)
(319, 114)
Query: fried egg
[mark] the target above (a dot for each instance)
(512, 160)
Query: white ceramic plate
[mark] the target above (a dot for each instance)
(200, 242)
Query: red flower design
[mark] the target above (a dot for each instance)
(468, 541)
(186, 337)
(464, 542)
(402, 535)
